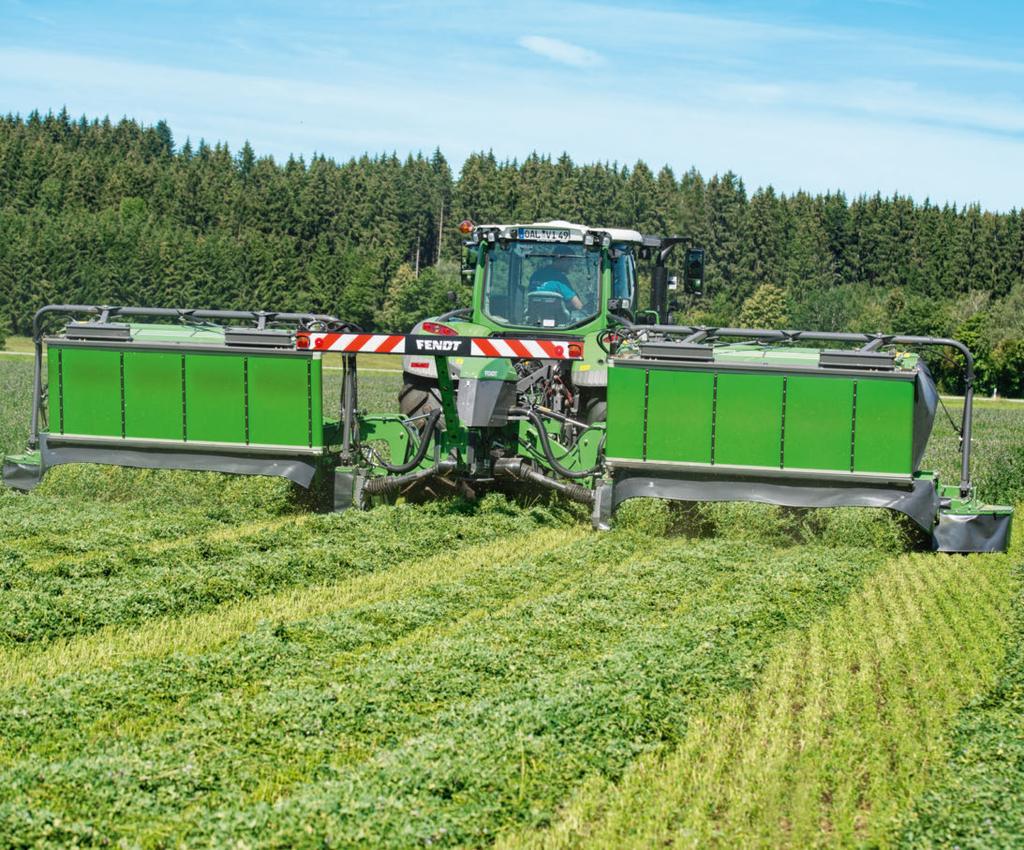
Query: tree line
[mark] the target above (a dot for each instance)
(98, 211)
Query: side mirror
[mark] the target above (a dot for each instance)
(693, 271)
(673, 283)
(470, 256)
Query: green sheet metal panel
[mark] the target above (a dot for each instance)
(679, 405)
(884, 426)
(748, 420)
(819, 423)
(284, 404)
(89, 383)
(153, 395)
(215, 397)
(625, 420)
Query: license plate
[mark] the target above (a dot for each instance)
(537, 234)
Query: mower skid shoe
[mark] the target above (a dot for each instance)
(348, 491)
(601, 516)
(982, 532)
(22, 473)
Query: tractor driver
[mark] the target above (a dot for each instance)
(553, 278)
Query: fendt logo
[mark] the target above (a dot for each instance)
(445, 345)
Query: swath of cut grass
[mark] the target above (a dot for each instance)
(978, 800)
(192, 634)
(449, 714)
(199, 667)
(845, 727)
(100, 585)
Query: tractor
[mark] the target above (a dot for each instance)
(554, 379)
(550, 278)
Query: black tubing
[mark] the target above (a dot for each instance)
(386, 484)
(421, 452)
(575, 492)
(546, 446)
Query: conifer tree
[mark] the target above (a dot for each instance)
(766, 307)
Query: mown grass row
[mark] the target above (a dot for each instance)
(449, 712)
(845, 727)
(100, 583)
(977, 801)
(196, 633)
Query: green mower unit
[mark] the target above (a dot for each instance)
(553, 379)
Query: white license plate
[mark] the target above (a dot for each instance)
(536, 234)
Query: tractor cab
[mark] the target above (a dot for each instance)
(551, 276)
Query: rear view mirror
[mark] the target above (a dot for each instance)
(693, 271)
(470, 257)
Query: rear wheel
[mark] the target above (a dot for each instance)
(419, 397)
(594, 407)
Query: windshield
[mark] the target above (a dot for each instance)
(542, 285)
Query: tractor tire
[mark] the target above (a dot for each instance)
(419, 397)
(595, 408)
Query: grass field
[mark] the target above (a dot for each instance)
(189, 659)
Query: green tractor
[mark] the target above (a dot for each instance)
(556, 279)
(554, 379)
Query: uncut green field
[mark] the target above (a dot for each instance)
(195, 660)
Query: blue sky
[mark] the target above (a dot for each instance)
(920, 97)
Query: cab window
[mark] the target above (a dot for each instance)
(542, 285)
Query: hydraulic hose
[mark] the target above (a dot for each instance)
(421, 452)
(387, 484)
(515, 467)
(545, 443)
(576, 492)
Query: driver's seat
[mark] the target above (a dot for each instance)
(546, 309)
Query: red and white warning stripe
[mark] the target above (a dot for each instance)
(354, 343)
(538, 349)
(440, 345)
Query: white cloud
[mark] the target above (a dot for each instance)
(560, 51)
